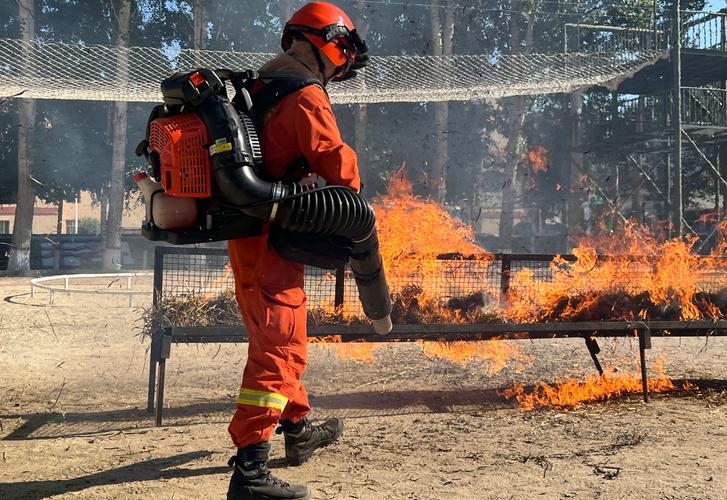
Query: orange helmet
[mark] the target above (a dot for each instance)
(329, 29)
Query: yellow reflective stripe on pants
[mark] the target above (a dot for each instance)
(262, 398)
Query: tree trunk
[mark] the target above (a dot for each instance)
(516, 117)
(59, 232)
(200, 25)
(574, 198)
(361, 111)
(112, 251)
(442, 39)
(19, 259)
(199, 37)
(103, 213)
(516, 110)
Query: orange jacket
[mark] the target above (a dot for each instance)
(300, 126)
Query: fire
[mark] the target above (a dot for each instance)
(611, 385)
(414, 231)
(360, 352)
(539, 158)
(219, 283)
(640, 277)
(496, 353)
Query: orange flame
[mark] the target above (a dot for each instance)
(720, 250)
(360, 352)
(219, 283)
(570, 393)
(641, 273)
(497, 353)
(413, 230)
(539, 159)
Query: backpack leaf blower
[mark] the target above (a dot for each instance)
(204, 162)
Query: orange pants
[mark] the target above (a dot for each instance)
(275, 318)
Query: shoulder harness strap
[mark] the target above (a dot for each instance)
(277, 86)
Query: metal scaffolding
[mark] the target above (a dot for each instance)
(676, 109)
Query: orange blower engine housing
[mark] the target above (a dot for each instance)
(184, 201)
(181, 143)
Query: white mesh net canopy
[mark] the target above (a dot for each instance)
(93, 72)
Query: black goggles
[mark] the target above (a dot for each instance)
(334, 32)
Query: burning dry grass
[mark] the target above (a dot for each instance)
(642, 278)
(611, 385)
(359, 352)
(412, 305)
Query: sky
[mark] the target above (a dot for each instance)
(716, 5)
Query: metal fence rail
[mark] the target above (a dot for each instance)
(44, 283)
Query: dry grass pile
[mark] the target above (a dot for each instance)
(412, 306)
(614, 306)
(192, 310)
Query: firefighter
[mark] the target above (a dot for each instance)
(300, 139)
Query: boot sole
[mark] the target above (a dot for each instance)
(265, 497)
(254, 496)
(301, 459)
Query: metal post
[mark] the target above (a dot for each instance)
(160, 393)
(644, 343)
(594, 349)
(677, 204)
(717, 190)
(505, 274)
(340, 287)
(155, 351)
(165, 352)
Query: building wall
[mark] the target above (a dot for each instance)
(46, 215)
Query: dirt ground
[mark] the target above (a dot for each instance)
(73, 423)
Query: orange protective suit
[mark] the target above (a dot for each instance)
(269, 289)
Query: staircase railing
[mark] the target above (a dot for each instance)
(704, 106)
(704, 30)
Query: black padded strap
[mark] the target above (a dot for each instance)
(276, 88)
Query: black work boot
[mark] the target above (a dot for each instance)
(303, 438)
(252, 479)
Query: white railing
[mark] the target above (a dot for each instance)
(43, 284)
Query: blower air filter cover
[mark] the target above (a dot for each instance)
(181, 143)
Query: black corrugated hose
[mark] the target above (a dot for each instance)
(330, 210)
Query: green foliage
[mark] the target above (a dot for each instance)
(88, 225)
